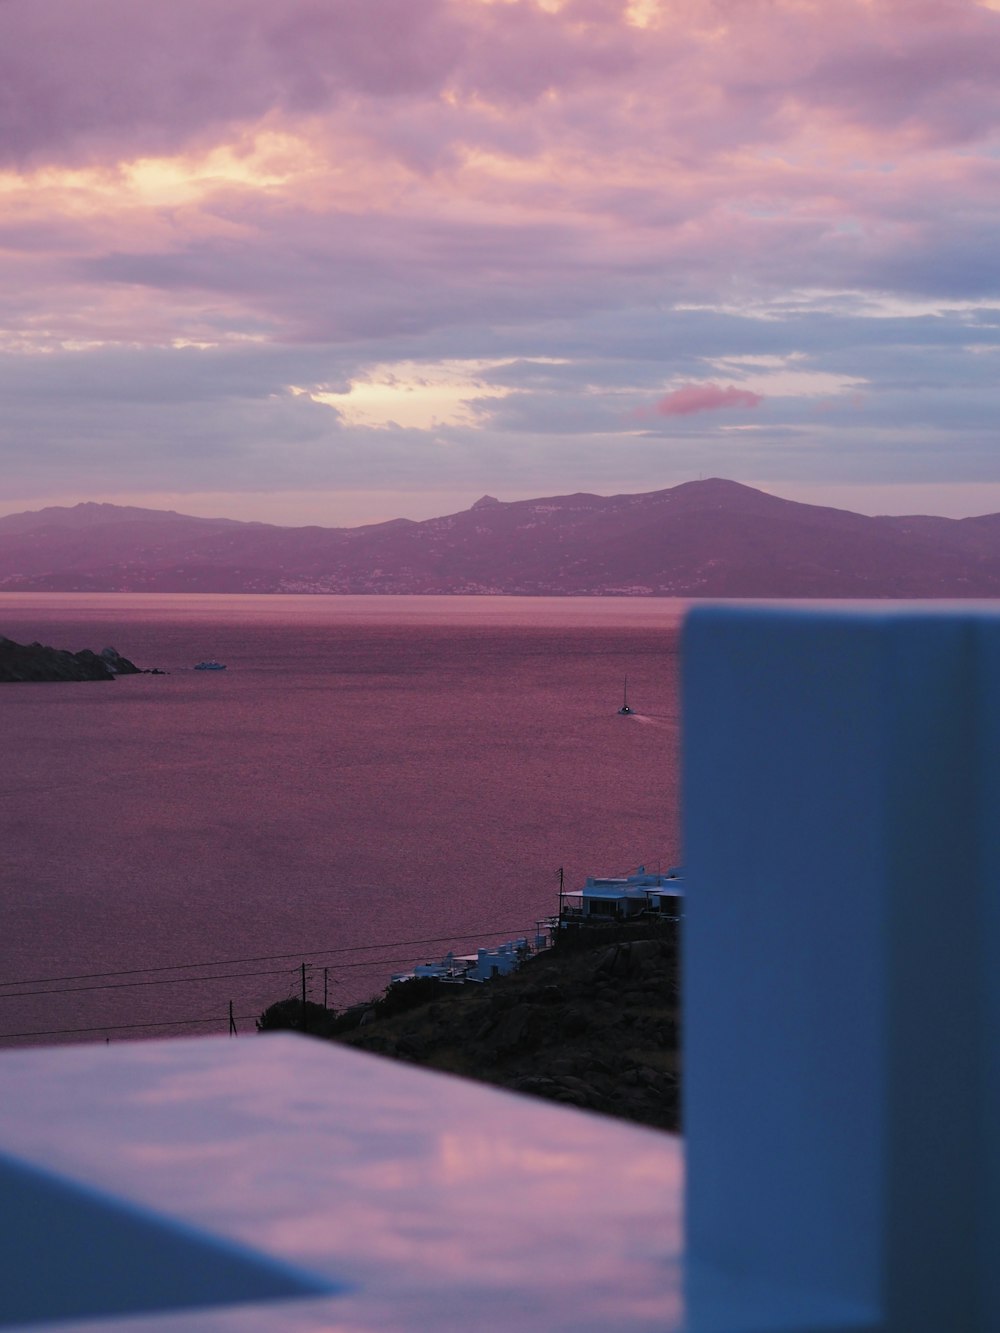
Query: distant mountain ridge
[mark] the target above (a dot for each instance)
(712, 538)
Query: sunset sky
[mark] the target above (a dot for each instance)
(337, 261)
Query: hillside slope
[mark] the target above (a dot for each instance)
(595, 1027)
(710, 538)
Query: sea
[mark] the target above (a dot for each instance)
(371, 782)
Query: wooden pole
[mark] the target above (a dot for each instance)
(304, 997)
(232, 1021)
(326, 986)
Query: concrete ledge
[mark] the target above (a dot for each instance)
(440, 1204)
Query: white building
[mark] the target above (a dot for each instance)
(452, 969)
(498, 962)
(626, 897)
(455, 969)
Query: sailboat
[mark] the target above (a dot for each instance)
(624, 710)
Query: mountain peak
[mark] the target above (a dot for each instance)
(715, 486)
(705, 538)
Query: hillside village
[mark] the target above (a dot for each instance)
(591, 1022)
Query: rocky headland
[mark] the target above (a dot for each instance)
(594, 1024)
(37, 662)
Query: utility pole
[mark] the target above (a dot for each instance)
(304, 997)
(561, 884)
(326, 986)
(232, 1021)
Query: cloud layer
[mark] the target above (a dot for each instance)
(225, 224)
(692, 398)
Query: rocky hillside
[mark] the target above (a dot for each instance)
(711, 538)
(36, 662)
(595, 1027)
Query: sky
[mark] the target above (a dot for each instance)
(339, 261)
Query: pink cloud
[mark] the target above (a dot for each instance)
(691, 398)
(457, 157)
(577, 81)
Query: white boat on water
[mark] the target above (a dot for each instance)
(209, 666)
(625, 710)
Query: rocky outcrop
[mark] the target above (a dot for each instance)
(36, 662)
(121, 666)
(596, 1027)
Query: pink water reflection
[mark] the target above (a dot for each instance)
(368, 771)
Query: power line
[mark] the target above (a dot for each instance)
(374, 962)
(160, 981)
(265, 957)
(173, 1022)
(228, 976)
(191, 981)
(125, 1027)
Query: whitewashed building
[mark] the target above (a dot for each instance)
(626, 897)
(498, 962)
(455, 969)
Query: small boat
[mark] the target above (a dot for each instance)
(209, 666)
(625, 710)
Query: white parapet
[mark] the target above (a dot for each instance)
(279, 1184)
(842, 1003)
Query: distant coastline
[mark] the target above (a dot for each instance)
(701, 539)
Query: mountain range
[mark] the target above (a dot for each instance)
(710, 538)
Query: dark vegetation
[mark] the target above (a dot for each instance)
(36, 662)
(593, 1023)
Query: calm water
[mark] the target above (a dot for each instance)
(367, 773)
